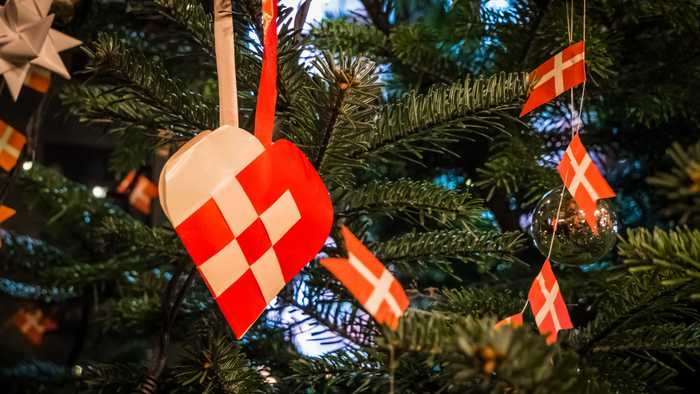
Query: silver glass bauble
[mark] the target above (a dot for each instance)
(575, 243)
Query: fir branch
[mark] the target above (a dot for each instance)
(441, 248)
(331, 314)
(479, 302)
(676, 252)
(349, 369)
(211, 364)
(145, 83)
(191, 16)
(100, 378)
(330, 115)
(133, 238)
(22, 253)
(680, 186)
(633, 301)
(431, 121)
(513, 160)
(674, 338)
(340, 35)
(471, 355)
(418, 202)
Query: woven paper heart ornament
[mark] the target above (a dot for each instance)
(251, 213)
(250, 217)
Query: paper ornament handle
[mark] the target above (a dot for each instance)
(225, 63)
(267, 89)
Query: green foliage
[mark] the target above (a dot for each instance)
(681, 185)
(674, 253)
(632, 306)
(341, 35)
(514, 159)
(212, 364)
(144, 93)
(471, 355)
(101, 378)
(479, 302)
(414, 251)
(417, 202)
(349, 371)
(428, 123)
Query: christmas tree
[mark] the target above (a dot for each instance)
(408, 111)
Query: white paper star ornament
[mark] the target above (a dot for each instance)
(27, 40)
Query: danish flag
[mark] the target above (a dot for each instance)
(514, 320)
(560, 73)
(369, 281)
(142, 193)
(33, 325)
(548, 305)
(583, 180)
(39, 79)
(11, 144)
(250, 217)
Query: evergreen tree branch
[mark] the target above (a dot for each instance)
(514, 159)
(680, 186)
(440, 248)
(145, 83)
(675, 252)
(418, 202)
(211, 364)
(429, 122)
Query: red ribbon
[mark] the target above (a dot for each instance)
(267, 90)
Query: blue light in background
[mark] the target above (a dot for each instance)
(449, 180)
(497, 4)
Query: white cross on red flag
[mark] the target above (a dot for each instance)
(548, 304)
(560, 73)
(369, 281)
(583, 180)
(251, 217)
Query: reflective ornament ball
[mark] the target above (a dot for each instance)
(575, 242)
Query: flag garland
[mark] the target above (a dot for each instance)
(560, 73)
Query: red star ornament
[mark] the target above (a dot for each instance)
(250, 216)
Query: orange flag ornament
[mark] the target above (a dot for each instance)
(369, 281)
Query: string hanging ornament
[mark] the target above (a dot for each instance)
(575, 223)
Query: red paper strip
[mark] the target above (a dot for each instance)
(267, 90)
